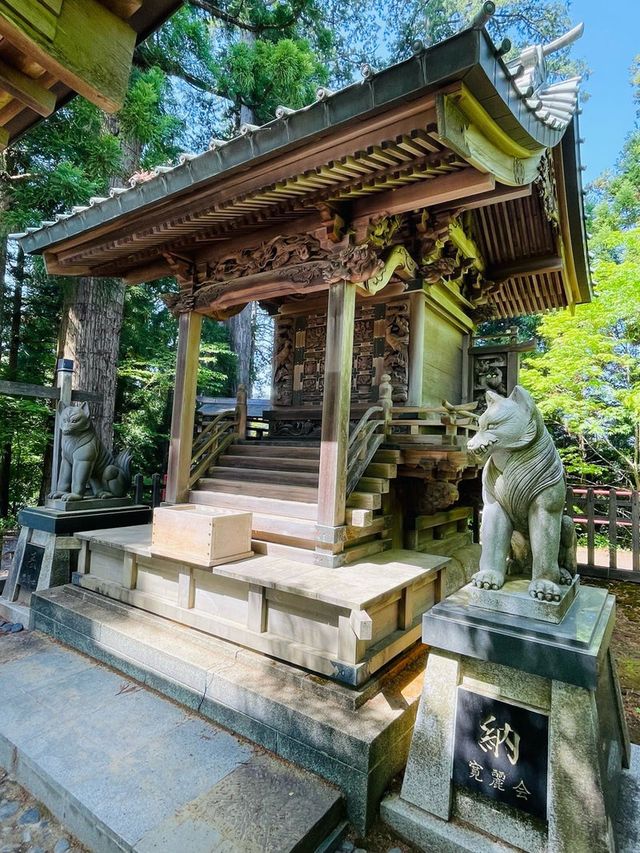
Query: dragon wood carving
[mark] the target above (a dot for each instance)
(299, 259)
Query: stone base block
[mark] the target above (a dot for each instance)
(515, 600)
(356, 738)
(47, 549)
(87, 504)
(345, 623)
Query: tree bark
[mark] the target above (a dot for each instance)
(241, 340)
(11, 373)
(90, 335)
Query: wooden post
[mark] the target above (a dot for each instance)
(336, 405)
(64, 372)
(385, 391)
(241, 411)
(416, 347)
(590, 514)
(613, 529)
(184, 407)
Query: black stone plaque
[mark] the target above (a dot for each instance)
(501, 752)
(31, 565)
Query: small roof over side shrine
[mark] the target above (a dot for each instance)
(51, 49)
(465, 163)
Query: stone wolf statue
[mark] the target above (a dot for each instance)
(86, 461)
(523, 490)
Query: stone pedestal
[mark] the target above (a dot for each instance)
(46, 553)
(520, 738)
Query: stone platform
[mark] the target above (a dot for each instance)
(127, 770)
(344, 622)
(357, 738)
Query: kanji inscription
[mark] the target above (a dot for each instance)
(501, 752)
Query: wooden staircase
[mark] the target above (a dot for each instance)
(277, 480)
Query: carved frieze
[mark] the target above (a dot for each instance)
(275, 254)
(283, 362)
(396, 354)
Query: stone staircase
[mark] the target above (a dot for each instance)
(277, 480)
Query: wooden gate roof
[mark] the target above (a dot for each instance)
(453, 126)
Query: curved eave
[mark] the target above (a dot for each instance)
(575, 219)
(469, 56)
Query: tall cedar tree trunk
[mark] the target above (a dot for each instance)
(11, 373)
(4, 206)
(91, 324)
(90, 335)
(241, 325)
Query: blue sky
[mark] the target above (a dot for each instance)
(610, 42)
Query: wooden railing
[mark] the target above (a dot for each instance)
(216, 436)
(457, 420)
(366, 437)
(368, 434)
(608, 524)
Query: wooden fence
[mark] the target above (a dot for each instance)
(148, 490)
(608, 526)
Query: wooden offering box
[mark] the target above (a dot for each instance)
(205, 536)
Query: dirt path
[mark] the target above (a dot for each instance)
(626, 647)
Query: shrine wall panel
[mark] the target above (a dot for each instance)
(380, 344)
(442, 378)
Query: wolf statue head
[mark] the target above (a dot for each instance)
(523, 490)
(508, 423)
(74, 419)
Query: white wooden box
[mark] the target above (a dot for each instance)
(206, 536)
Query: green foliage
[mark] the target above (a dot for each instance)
(264, 74)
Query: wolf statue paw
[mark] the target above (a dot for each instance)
(566, 578)
(544, 590)
(488, 579)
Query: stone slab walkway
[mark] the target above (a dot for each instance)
(127, 770)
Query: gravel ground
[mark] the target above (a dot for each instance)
(27, 827)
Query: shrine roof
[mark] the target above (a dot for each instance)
(58, 48)
(368, 139)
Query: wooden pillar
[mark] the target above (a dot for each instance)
(336, 406)
(416, 347)
(184, 407)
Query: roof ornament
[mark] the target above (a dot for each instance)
(185, 157)
(484, 14)
(417, 45)
(214, 143)
(96, 199)
(247, 129)
(323, 92)
(553, 103)
(281, 112)
(367, 71)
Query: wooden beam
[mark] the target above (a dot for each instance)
(43, 392)
(525, 266)
(336, 405)
(447, 189)
(4, 138)
(27, 90)
(184, 407)
(499, 194)
(86, 46)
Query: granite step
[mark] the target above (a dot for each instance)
(125, 769)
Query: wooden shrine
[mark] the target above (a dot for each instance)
(377, 226)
